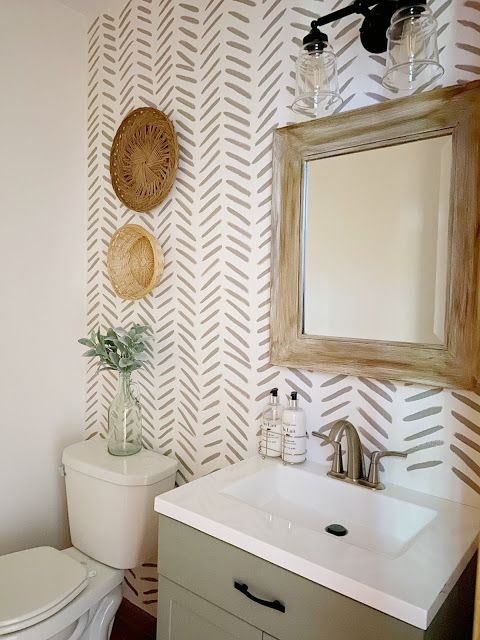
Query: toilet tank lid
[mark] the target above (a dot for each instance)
(91, 458)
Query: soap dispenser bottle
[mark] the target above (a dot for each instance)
(271, 431)
(294, 432)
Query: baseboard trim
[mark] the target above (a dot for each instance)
(133, 623)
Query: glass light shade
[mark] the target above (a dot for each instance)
(316, 92)
(412, 54)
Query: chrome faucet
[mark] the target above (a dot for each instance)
(355, 468)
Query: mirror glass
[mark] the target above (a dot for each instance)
(375, 243)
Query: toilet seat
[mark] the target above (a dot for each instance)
(35, 584)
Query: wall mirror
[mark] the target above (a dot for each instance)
(376, 241)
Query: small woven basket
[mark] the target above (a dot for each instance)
(144, 159)
(135, 262)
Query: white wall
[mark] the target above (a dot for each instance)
(42, 263)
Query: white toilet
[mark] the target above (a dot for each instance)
(46, 594)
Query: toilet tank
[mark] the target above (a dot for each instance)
(110, 502)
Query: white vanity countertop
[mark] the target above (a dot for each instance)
(411, 586)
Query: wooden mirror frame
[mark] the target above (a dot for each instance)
(452, 110)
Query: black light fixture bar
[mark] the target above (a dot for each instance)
(359, 6)
(377, 16)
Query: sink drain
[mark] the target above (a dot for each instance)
(336, 530)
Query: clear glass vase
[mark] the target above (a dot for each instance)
(125, 420)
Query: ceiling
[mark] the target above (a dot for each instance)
(91, 7)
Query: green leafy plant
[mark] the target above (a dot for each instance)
(119, 349)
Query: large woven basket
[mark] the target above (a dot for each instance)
(135, 262)
(144, 159)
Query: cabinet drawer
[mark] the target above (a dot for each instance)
(210, 568)
(182, 615)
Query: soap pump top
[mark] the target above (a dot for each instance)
(292, 401)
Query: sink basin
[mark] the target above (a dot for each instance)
(374, 521)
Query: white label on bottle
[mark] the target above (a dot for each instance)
(294, 449)
(295, 429)
(294, 444)
(271, 438)
(272, 426)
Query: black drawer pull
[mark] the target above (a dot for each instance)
(276, 604)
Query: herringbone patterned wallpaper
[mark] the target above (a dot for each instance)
(223, 70)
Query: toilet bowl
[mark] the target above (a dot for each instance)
(74, 594)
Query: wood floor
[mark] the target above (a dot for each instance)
(132, 623)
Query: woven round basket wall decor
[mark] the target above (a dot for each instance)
(134, 261)
(144, 159)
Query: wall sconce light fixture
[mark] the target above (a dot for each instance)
(405, 29)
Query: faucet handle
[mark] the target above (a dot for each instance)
(322, 436)
(373, 480)
(377, 455)
(337, 462)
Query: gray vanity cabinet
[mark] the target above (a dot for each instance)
(210, 590)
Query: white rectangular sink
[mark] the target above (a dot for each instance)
(374, 521)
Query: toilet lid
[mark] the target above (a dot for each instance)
(35, 584)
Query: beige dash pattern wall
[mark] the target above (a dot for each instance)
(223, 71)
